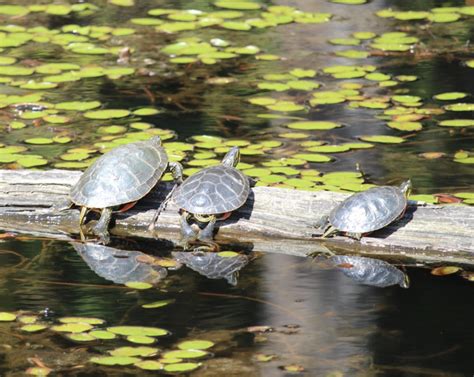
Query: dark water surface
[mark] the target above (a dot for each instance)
(321, 319)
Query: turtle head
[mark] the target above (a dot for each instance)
(155, 140)
(232, 157)
(405, 187)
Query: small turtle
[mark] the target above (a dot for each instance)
(210, 195)
(370, 271)
(123, 175)
(213, 265)
(368, 211)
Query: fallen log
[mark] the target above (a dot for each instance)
(272, 220)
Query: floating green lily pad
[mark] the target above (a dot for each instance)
(450, 96)
(184, 354)
(313, 125)
(5, 316)
(34, 328)
(138, 330)
(134, 351)
(181, 367)
(141, 339)
(384, 139)
(237, 5)
(39, 141)
(406, 126)
(115, 360)
(72, 327)
(81, 337)
(78, 106)
(313, 157)
(138, 285)
(460, 107)
(106, 114)
(89, 320)
(149, 365)
(102, 334)
(453, 123)
(158, 304)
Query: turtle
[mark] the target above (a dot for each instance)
(123, 175)
(368, 211)
(210, 195)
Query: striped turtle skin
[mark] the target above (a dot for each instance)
(213, 190)
(125, 174)
(370, 210)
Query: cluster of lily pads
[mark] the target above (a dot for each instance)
(93, 331)
(438, 15)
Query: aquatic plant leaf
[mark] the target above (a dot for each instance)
(460, 107)
(81, 337)
(14, 10)
(353, 54)
(455, 123)
(149, 365)
(72, 327)
(444, 17)
(5, 316)
(384, 139)
(7, 60)
(237, 5)
(102, 334)
(197, 344)
(449, 96)
(302, 73)
(184, 354)
(39, 141)
(11, 70)
(363, 35)
(77, 105)
(33, 328)
(107, 114)
(313, 157)
(406, 126)
(141, 339)
(313, 125)
(89, 320)
(158, 304)
(115, 360)
(349, 2)
(285, 106)
(134, 351)
(329, 149)
(138, 285)
(138, 330)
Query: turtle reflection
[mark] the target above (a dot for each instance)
(119, 266)
(369, 271)
(213, 265)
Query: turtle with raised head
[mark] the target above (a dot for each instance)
(211, 195)
(121, 176)
(368, 211)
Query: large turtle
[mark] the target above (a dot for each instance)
(368, 211)
(123, 175)
(210, 195)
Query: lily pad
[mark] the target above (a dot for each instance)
(450, 96)
(181, 367)
(455, 123)
(237, 5)
(185, 354)
(138, 330)
(158, 304)
(7, 317)
(107, 114)
(384, 139)
(314, 125)
(115, 360)
(72, 327)
(134, 351)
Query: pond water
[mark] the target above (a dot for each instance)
(208, 90)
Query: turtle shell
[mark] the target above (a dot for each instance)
(369, 210)
(125, 174)
(213, 190)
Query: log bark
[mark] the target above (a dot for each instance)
(272, 220)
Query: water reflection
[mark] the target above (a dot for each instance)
(321, 319)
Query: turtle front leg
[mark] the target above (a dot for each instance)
(330, 231)
(207, 234)
(100, 229)
(187, 232)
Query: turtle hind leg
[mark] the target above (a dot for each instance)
(187, 232)
(207, 234)
(100, 229)
(356, 236)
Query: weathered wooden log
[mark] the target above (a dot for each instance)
(273, 220)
